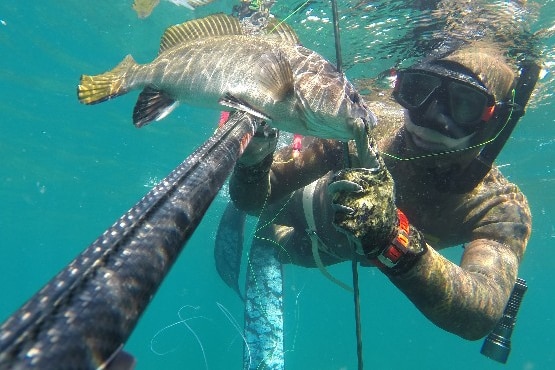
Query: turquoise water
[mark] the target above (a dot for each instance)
(68, 171)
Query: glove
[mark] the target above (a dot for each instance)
(364, 208)
(262, 144)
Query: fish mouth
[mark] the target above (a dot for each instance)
(433, 141)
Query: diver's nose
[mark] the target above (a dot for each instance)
(438, 118)
(435, 108)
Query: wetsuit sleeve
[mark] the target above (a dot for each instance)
(469, 299)
(251, 187)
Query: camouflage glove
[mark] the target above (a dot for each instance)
(261, 145)
(364, 208)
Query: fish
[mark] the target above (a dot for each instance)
(191, 4)
(145, 7)
(212, 63)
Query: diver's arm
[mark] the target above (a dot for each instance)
(469, 299)
(292, 171)
(466, 300)
(279, 174)
(250, 185)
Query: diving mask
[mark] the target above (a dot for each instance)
(468, 103)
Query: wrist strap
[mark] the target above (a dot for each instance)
(404, 251)
(394, 252)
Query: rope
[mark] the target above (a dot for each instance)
(347, 164)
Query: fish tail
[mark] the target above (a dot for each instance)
(105, 86)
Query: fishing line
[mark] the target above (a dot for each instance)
(235, 325)
(256, 5)
(182, 321)
(347, 164)
(293, 12)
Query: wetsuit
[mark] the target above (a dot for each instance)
(492, 222)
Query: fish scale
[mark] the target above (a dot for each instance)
(183, 71)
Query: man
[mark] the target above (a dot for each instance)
(432, 192)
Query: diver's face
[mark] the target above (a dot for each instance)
(444, 111)
(433, 137)
(436, 150)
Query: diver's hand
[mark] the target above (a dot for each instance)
(364, 208)
(261, 145)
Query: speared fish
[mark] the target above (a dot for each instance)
(210, 62)
(145, 7)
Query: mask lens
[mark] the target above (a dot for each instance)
(467, 103)
(413, 88)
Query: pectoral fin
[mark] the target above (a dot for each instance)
(276, 75)
(152, 105)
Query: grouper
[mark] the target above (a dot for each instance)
(211, 62)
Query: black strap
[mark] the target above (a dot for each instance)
(482, 164)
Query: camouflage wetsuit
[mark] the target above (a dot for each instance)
(493, 223)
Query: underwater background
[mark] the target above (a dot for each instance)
(68, 171)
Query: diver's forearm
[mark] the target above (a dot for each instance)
(466, 303)
(249, 186)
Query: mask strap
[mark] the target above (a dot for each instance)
(511, 113)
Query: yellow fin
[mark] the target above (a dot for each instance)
(212, 25)
(144, 7)
(105, 86)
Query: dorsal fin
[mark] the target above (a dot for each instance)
(282, 31)
(212, 25)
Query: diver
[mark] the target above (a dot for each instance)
(438, 189)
